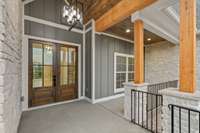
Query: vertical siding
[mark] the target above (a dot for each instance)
(49, 10)
(40, 30)
(88, 61)
(104, 51)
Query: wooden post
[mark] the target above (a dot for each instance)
(139, 52)
(187, 46)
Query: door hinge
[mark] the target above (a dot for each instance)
(22, 99)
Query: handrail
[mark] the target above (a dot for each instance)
(180, 114)
(156, 87)
(147, 92)
(185, 108)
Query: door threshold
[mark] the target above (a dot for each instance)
(53, 104)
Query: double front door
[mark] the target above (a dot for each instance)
(53, 72)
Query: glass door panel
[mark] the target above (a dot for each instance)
(64, 75)
(37, 76)
(52, 73)
(42, 91)
(68, 80)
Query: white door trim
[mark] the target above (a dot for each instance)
(25, 65)
(93, 61)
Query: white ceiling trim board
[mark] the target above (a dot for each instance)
(150, 26)
(172, 13)
(25, 2)
(114, 36)
(158, 30)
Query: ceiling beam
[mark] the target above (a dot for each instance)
(119, 12)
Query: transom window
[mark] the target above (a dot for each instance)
(123, 70)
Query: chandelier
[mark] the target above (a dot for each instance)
(71, 12)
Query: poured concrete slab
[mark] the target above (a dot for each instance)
(77, 117)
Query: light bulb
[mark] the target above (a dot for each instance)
(74, 12)
(78, 16)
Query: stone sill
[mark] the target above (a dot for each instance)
(183, 95)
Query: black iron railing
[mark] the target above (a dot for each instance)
(140, 115)
(184, 116)
(155, 88)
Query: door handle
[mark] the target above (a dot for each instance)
(54, 80)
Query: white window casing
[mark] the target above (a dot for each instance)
(119, 74)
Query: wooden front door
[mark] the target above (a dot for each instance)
(52, 73)
(68, 67)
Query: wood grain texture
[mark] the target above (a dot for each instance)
(97, 8)
(119, 12)
(188, 46)
(139, 52)
(120, 30)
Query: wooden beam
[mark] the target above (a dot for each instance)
(120, 12)
(188, 46)
(139, 52)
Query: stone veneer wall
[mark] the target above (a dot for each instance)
(10, 65)
(161, 62)
(198, 64)
(192, 101)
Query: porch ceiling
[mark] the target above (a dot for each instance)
(96, 8)
(120, 30)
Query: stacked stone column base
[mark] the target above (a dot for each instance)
(175, 97)
(135, 101)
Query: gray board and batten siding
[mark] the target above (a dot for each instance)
(88, 64)
(43, 9)
(44, 31)
(49, 10)
(105, 47)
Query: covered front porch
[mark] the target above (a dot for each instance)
(79, 117)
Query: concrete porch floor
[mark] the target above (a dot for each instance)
(79, 117)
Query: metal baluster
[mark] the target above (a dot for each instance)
(188, 121)
(179, 120)
(199, 122)
(156, 114)
(135, 107)
(172, 119)
(131, 105)
(151, 112)
(138, 107)
(147, 111)
(142, 108)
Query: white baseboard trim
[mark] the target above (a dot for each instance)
(54, 104)
(88, 99)
(75, 100)
(108, 98)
